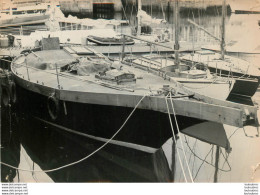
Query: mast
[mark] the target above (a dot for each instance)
(139, 18)
(11, 8)
(223, 30)
(176, 23)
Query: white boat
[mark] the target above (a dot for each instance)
(200, 81)
(246, 75)
(196, 80)
(24, 15)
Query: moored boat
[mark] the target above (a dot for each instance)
(246, 75)
(110, 40)
(99, 98)
(24, 15)
(199, 81)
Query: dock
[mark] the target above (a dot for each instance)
(138, 48)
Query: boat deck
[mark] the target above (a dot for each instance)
(88, 89)
(89, 83)
(137, 48)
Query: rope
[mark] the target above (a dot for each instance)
(205, 160)
(233, 133)
(178, 153)
(163, 11)
(128, 21)
(88, 156)
(174, 114)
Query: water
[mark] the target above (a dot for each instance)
(28, 143)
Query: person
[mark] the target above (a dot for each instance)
(10, 40)
(167, 35)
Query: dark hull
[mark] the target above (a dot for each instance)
(49, 147)
(246, 12)
(111, 164)
(144, 128)
(109, 41)
(244, 88)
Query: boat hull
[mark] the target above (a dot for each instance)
(211, 89)
(109, 41)
(144, 128)
(24, 20)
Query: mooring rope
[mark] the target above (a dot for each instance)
(177, 125)
(204, 160)
(175, 140)
(86, 157)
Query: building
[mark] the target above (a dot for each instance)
(95, 8)
(101, 8)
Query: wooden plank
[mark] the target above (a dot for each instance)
(69, 50)
(80, 50)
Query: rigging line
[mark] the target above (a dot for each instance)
(203, 162)
(162, 11)
(226, 159)
(28, 163)
(18, 176)
(246, 133)
(193, 40)
(89, 155)
(217, 11)
(131, 15)
(233, 133)
(195, 144)
(190, 154)
(174, 114)
(212, 155)
(128, 21)
(174, 137)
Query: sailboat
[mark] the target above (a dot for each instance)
(246, 75)
(200, 81)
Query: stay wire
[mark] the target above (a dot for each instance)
(206, 161)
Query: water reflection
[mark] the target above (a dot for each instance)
(213, 154)
(49, 148)
(10, 144)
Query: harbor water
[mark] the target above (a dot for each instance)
(30, 144)
(197, 155)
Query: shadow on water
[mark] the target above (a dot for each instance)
(49, 147)
(10, 145)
